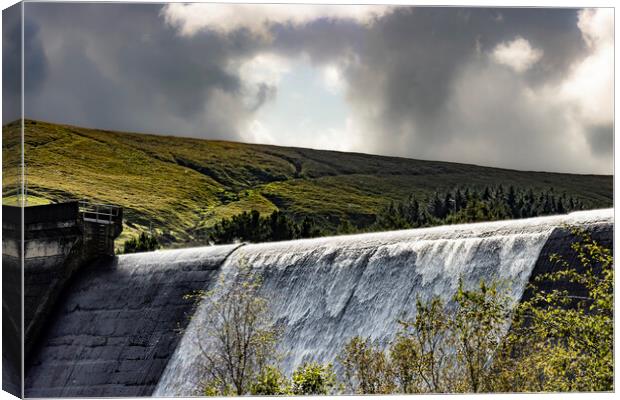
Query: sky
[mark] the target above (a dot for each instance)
(518, 88)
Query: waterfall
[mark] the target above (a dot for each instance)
(325, 291)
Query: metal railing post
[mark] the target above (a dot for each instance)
(100, 213)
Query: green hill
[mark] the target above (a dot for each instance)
(178, 185)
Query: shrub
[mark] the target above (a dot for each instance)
(239, 338)
(144, 242)
(562, 342)
(270, 382)
(366, 368)
(313, 379)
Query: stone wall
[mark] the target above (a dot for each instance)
(119, 323)
(57, 241)
(11, 304)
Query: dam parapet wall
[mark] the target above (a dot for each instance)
(119, 323)
(57, 240)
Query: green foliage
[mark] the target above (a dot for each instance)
(471, 205)
(443, 349)
(314, 379)
(251, 227)
(144, 242)
(239, 337)
(270, 381)
(561, 341)
(239, 346)
(420, 354)
(458, 206)
(366, 368)
(477, 330)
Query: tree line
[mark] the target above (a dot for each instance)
(450, 207)
(471, 205)
(554, 342)
(252, 227)
(461, 205)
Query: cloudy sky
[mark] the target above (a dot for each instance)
(516, 88)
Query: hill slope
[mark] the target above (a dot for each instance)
(179, 184)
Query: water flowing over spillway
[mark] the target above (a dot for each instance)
(325, 291)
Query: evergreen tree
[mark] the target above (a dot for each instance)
(486, 196)
(560, 207)
(511, 201)
(144, 242)
(459, 200)
(448, 204)
(436, 207)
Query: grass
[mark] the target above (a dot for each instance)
(15, 200)
(175, 185)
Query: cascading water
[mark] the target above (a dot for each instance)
(324, 291)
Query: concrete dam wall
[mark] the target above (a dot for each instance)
(123, 328)
(42, 247)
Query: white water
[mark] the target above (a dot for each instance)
(324, 291)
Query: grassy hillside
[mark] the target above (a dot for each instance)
(177, 185)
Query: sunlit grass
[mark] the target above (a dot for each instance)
(176, 186)
(18, 200)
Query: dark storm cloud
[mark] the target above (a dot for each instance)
(420, 81)
(11, 60)
(120, 67)
(601, 140)
(264, 94)
(35, 65)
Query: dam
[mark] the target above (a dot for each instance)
(122, 326)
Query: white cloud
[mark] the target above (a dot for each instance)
(263, 68)
(341, 139)
(225, 18)
(597, 26)
(257, 132)
(517, 54)
(260, 77)
(589, 86)
(568, 119)
(333, 79)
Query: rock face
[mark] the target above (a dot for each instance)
(115, 333)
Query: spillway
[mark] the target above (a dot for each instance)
(322, 291)
(325, 291)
